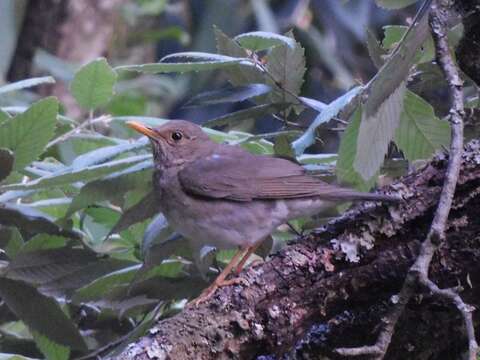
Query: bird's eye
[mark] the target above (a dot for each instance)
(177, 136)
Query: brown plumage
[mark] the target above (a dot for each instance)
(241, 176)
(224, 196)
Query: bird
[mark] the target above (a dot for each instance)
(224, 196)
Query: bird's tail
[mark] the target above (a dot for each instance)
(344, 194)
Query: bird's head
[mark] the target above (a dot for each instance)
(176, 142)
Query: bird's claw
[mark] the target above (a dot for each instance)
(209, 291)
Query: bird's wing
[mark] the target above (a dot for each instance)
(247, 177)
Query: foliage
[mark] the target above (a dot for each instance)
(75, 200)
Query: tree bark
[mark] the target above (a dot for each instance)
(331, 288)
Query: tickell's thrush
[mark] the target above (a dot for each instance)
(224, 196)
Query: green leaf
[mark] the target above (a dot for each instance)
(40, 313)
(70, 175)
(7, 160)
(66, 285)
(146, 208)
(103, 285)
(14, 241)
(31, 220)
(28, 133)
(239, 76)
(106, 153)
(42, 266)
(381, 111)
(328, 112)
(396, 70)
(3, 116)
(287, 66)
(394, 4)
(420, 133)
(375, 50)
(376, 132)
(346, 174)
(6, 356)
(44, 242)
(164, 244)
(253, 112)
(283, 148)
(158, 231)
(188, 61)
(49, 348)
(28, 83)
(229, 95)
(137, 176)
(52, 206)
(93, 84)
(261, 40)
(395, 33)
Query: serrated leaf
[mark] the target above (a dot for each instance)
(186, 62)
(328, 112)
(93, 84)
(7, 160)
(229, 95)
(394, 4)
(69, 175)
(242, 75)
(420, 132)
(28, 133)
(31, 220)
(27, 83)
(261, 40)
(287, 66)
(40, 313)
(395, 33)
(137, 176)
(345, 171)
(376, 132)
(396, 70)
(143, 210)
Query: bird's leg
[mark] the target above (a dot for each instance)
(241, 263)
(219, 281)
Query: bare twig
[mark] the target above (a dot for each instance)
(418, 273)
(83, 125)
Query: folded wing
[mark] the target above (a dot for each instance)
(247, 177)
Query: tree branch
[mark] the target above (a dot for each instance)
(296, 291)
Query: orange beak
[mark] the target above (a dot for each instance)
(145, 130)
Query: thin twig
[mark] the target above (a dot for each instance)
(418, 273)
(68, 134)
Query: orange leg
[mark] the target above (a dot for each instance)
(220, 280)
(241, 263)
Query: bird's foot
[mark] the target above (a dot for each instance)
(209, 291)
(252, 264)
